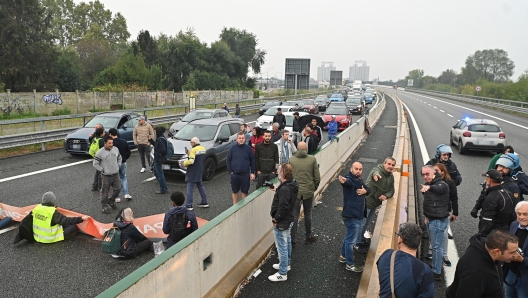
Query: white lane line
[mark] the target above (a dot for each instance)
(450, 115)
(452, 252)
(435, 107)
(149, 179)
(45, 170)
(441, 111)
(429, 104)
(8, 229)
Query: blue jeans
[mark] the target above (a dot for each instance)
(284, 248)
(331, 137)
(4, 222)
(516, 289)
(158, 172)
(190, 190)
(437, 228)
(352, 229)
(123, 177)
(366, 223)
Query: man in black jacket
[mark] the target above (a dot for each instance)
(436, 212)
(124, 150)
(280, 118)
(160, 152)
(478, 273)
(282, 219)
(497, 206)
(309, 139)
(266, 159)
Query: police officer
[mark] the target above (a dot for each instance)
(443, 155)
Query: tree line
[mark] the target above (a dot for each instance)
(57, 44)
(491, 69)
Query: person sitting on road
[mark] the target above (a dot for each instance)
(179, 221)
(4, 220)
(45, 224)
(133, 242)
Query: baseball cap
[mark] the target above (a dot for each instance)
(333, 116)
(141, 117)
(494, 175)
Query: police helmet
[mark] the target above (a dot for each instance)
(443, 148)
(508, 160)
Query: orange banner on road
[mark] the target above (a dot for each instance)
(151, 226)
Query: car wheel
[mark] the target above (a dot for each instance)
(461, 149)
(451, 139)
(209, 169)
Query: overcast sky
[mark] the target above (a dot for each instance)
(392, 36)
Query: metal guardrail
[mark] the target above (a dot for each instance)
(501, 104)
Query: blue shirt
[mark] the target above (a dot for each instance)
(412, 277)
(240, 159)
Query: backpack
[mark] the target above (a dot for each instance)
(178, 227)
(94, 147)
(111, 240)
(170, 150)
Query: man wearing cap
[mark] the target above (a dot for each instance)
(332, 128)
(142, 132)
(497, 206)
(195, 168)
(49, 225)
(280, 118)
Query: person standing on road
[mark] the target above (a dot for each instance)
(237, 111)
(318, 130)
(97, 135)
(108, 161)
(195, 169)
(443, 155)
(282, 218)
(516, 272)
(142, 133)
(306, 172)
(225, 107)
(266, 160)
(286, 147)
(256, 138)
(296, 127)
(244, 129)
(240, 164)
(280, 119)
(332, 128)
(381, 182)
(160, 152)
(124, 150)
(354, 191)
(310, 140)
(436, 212)
(175, 223)
(478, 272)
(412, 277)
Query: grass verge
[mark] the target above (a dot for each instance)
(23, 150)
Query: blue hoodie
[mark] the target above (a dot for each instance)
(178, 210)
(332, 127)
(240, 159)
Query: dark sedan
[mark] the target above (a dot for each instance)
(355, 105)
(267, 105)
(76, 142)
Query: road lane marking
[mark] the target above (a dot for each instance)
(149, 179)
(8, 229)
(45, 170)
(441, 111)
(435, 107)
(450, 115)
(452, 252)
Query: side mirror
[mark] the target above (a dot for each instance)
(224, 139)
(124, 127)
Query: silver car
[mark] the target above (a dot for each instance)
(477, 134)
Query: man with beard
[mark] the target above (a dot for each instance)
(266, 159)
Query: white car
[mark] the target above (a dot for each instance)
(477, 134)
(289, 125)
(266, 120)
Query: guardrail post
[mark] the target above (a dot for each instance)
(42, 128)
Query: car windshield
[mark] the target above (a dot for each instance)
(308, 101)
(203, 132)
(368, 94)
(321, 100)
(289, 120)
(337, 111)
(194, 115)
(272, 103)
(337, 95)
(353, 101)
(106, 122)
(483, 128)
(290, 103)
(271, 111)
(321, 97)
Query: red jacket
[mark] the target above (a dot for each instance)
(254, 141)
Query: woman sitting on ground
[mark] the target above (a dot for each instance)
(133, 243)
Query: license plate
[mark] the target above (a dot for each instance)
(481, 142)
(165, 167)
(76, 146)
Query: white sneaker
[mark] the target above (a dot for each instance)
(118, 200)
(128, 197)
(276, 267)
(278, 277)
(142, 170)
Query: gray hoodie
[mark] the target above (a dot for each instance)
(107, 161)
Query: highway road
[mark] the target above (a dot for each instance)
(434, 117)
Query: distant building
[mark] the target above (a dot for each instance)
(359, 71)
(323, 72)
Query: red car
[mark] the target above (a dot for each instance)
(343, 116)
(311, 106)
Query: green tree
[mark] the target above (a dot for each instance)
(69, 70)
(96, 54)
(244, 46)
(491, 65)
(448, 77)
(146, 45)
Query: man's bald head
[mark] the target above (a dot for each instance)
(302, 146)
(356, 169)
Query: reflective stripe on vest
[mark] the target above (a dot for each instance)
(43, 232)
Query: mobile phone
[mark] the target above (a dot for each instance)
(186, 149)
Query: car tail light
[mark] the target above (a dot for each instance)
(502, 135)
(466, 134)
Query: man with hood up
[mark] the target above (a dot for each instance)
(478, 272)
(160, 152)
(175, 216)
(381, 183)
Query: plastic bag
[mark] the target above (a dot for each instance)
(158, 248)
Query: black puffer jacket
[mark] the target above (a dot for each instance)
(436, 199)
(281, 119)
(266, 157)
(497, 210)
(284, 203)
(129, 237)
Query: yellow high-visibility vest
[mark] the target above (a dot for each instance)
(43, 232)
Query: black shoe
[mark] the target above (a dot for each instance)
(293, 244)
(113, 206)
(159, 192)
(437, 277)
(106, 210)
(95, 189)
(310, 240)
(360, 249)
(449, 236)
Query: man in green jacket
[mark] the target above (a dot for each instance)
(306, 173)
(381, 183)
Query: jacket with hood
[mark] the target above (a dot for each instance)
(353, 204)
(160, 145)
(496, 156)
(436, 199)
(476, 275)
(332, 127)
(306, 172)
(508, 183)
(195, 164)
(174, 211)
(266, 157)
(284, 203)
(451, 168)
(497, 210)
(130, 235)
(384, 186)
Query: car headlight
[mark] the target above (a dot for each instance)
(344, 120)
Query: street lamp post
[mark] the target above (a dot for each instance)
(267, 78)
